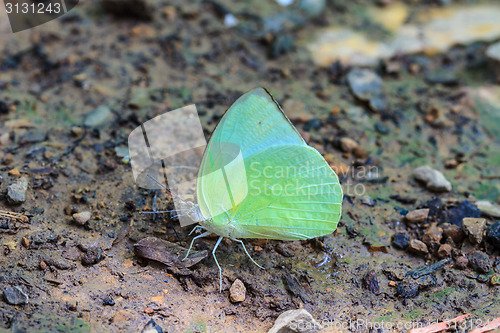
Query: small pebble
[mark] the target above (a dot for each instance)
(366, 200)
(444, 251)
(348, 145)
(43, 265)
(237, 292)
(367, 86)
(92, 256)
(15, 296)
(461, 262)
(401, 241)
(82, 218)
(432, 235)
(480, 262)
(370, 282)
(418, 247)
(433, 179)
(152, 327)
(26, 243)
(381, 128)
(454, 232)
(108, 301)
(474, 228)
(417, 216)
(360, 152)
(148, 311)
(102, 115)
(16, 193)
(8, 158)
(14, 172)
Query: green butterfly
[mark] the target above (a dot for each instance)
(277, 187)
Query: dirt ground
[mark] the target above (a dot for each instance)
(73, 89)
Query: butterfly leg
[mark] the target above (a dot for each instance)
(244, 248)
(194, 238)
(220, 269)
(197, 227)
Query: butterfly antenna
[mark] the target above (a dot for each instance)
(154, 204)
(167, 189)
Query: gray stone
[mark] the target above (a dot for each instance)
(493, 54)
(433, 179)
(480, 262)
(16, 193)
(295, 321)
(100, 116)
(366, 85)
(488, 208)
(15, 296)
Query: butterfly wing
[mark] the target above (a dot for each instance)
(259, 179)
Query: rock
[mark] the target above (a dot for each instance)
(348, 145)
(293, 320)
(409, 287)
(401, 241)
(92, 256)
(101, 115)
(16, 193)
(433, 179)
(461, 262)
(488, 208)
(152, 327)
(444, 251)
(237, 292)
(4, 108)
(108, 301)
(432, 235)
(33, 137)
(381, 128)
(370, 282)
(15, 296)
(313, 124)
(366, 200)
(455, 215)
(139, 9)
(493, 235)
(366, 85)
(417, 216)
(493, 55)
(360, 152)
(418, 247)
(82, 218)
(444, 77)
(474, 228)
(479, 261)
(454, 232)
(437, 30)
